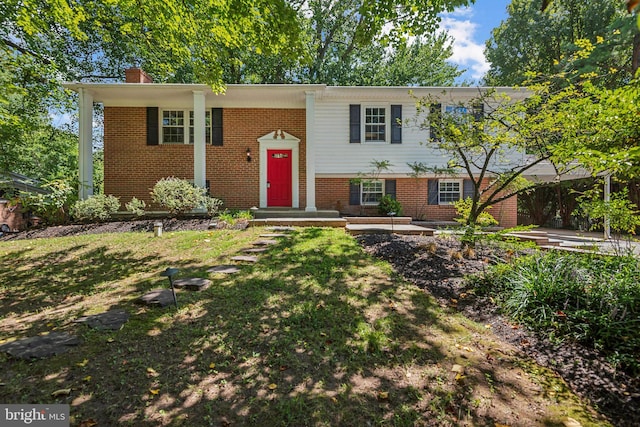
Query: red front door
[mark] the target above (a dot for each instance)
(279, 178)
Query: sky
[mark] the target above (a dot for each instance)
(470, 27)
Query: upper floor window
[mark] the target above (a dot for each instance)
(177, 127)
(375, 124)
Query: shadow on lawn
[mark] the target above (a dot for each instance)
(312, 334)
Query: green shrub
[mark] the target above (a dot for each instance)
(136, 206)
(388, 204)
(178, 196)
(212, 205)
(52, 207)
(589, 298)
(96, 208)
(463, 209)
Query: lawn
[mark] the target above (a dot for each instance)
(315, 333)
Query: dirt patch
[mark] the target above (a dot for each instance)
(437, 266)
(146, 225)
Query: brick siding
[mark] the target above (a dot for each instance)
(132, 168)
(333, 193)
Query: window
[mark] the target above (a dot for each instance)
(207, 123)
(375, 124)
(449, 191)
(175, 128)
(371, 192)
(172, 127)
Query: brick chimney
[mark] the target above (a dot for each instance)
(136, 75)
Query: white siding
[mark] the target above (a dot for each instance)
(336, 156)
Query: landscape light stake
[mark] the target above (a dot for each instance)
(170, 272)
(391, 214)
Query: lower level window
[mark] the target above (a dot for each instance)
(371, 192)
(449, 191)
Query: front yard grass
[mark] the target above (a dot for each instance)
(315, 333)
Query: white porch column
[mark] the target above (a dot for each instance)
(311, 151)
(85, 144)
(199, 143)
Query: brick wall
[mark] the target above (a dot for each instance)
(333, 193)
(132, 168)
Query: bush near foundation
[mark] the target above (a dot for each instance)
(96, 208)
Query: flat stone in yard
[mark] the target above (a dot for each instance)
(109, 320)
(254, 250)
(157, 297)
(226, 269)
(274, 235)
(245, 258)
(282, 228)
(192, 283)
(40, 346)
(265, 242)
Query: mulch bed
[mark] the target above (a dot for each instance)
(432, 264)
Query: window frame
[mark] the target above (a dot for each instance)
(380, 182)
(387, 124)
(187, 126)
(460, 183)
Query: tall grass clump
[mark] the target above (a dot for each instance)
(589, 298)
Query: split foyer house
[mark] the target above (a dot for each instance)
(292, 146)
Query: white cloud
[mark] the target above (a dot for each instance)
(467, 52)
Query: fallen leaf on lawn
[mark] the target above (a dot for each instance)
(61, 392)
(457, 368)
(383, 395)
(154, 390)
(570, 422)
(488, 326)
(463, 295)
(88, 423)
(322, 334)
(460, 377)
(212, 365)
(83, 363)
(454, 301)
(151, 371)
(501, 425)
(467, 349)
(110, 340)
(87, 378)
(273, 386)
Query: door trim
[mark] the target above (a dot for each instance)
(279, 140)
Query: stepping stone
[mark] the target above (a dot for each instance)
(107, 321)
(282, 228)
(226, 269)
(41, 346)
(274, 235)
(254, 250)
(157, 297)
(192, 283)
(245, 258)
(265, 242)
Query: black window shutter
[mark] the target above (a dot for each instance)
(478, 112)
(216, 127)
(152, 126)
(434, 110)
(467, 189)
(354, 124)
(354, 194)
(390, 187)
(433, 192)
(396, 124)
